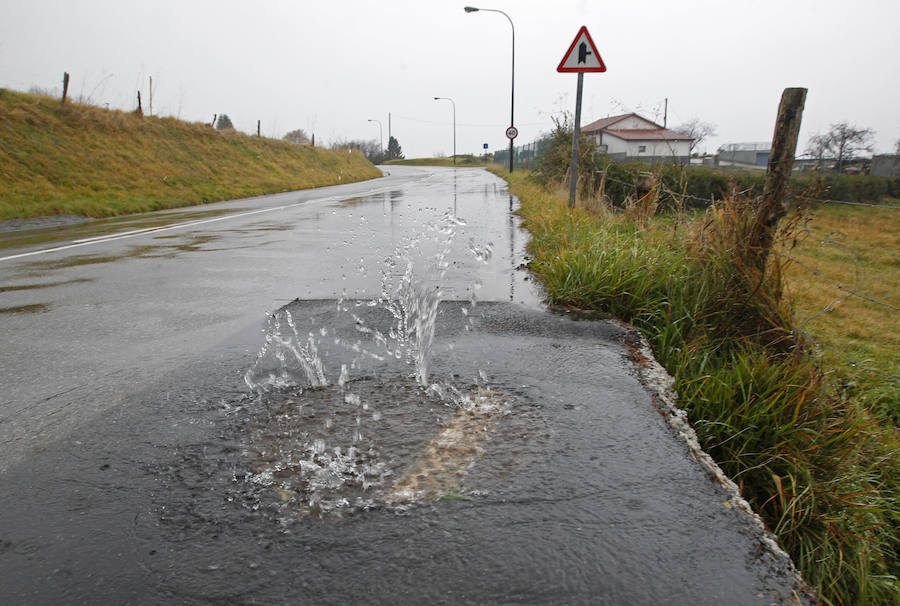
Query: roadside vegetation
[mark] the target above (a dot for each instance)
(812, 443)
(89, 161)
(461, 160)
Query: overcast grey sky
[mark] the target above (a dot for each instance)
(328, 67)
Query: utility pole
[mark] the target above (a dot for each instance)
(151, 95)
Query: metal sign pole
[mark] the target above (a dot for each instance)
(575, 137)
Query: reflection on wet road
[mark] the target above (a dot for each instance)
(131, 305)
(350, 398)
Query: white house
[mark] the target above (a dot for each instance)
(631, 137)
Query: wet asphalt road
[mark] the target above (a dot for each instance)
(130, 446)
(83, 326)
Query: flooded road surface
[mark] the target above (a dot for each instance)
(88, 316)
(414, 427)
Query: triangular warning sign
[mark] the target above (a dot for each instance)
(582, 56)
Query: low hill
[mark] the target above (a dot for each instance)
(85, 160)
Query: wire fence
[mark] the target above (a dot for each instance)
(525, 157)
(831, 244)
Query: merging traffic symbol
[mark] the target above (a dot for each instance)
(582, 56)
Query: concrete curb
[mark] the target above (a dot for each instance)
(661, 387)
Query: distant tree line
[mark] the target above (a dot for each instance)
(371, 149)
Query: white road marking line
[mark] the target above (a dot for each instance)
(150, 230)
(140, 232)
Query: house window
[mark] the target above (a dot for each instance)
(642, 149)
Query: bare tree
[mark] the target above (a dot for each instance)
(370, 149)
(297, 136)
(842, 143)
(696, 130)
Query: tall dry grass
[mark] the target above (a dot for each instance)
(819, 468)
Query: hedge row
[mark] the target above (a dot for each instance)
(695, 186)
(699, 185)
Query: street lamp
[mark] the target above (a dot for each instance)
(380, 136)
(454, 124)
(512, 103)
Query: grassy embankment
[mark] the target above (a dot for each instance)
(89, 161)
(817, 463)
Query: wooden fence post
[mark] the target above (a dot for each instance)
(65, 87)
(257, 127)
(772, 207)
(140, 110)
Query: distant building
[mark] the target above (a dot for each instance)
(885, 165)
(631, 137)
(748, 154)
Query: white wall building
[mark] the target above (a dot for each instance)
(631, 137)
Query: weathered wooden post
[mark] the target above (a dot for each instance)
(140, 110)
(65, 87)
(643, 185)
(257, 127)
(772, 207)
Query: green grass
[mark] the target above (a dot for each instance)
(820, 468)
(857, 248)
(85, 160)
(461, 160)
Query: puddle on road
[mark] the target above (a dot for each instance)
(375, 430)
(52, 230)
(191, 243)
(33, 308)
(364, 443)
(374, 442)
(22, 287)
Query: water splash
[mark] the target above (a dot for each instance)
(336, 463)
(285, 349)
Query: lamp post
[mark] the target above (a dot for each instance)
(454, 124)
(512, 103)
(380, 136)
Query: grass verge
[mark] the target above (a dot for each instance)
(461, 160)
(83, 160)
(819, 467)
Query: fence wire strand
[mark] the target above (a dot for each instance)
(849, 292)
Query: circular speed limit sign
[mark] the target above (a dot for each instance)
(512, 132)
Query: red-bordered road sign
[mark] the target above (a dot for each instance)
(582, 56)
(512, 132)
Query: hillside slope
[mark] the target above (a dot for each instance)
(84, 160)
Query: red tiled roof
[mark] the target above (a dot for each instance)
(607, 126)
(641, 134)
(604, 123)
